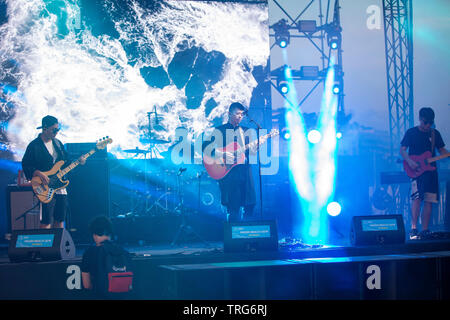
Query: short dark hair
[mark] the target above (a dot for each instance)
(101, 226)
(236, 105)
(426, 113)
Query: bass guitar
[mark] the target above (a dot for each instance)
(217, 168)
(424, 161)
(55, 175)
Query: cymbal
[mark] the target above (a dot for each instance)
(137, 150)
(154, 141)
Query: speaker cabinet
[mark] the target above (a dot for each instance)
(23, 208)
(41, 245)
(88, 196)
(377, 230)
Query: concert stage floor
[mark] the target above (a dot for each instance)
(414, 270)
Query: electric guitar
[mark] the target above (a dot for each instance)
(424, 161)
(44, 192)
(217, 168)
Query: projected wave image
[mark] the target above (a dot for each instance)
(132, 70)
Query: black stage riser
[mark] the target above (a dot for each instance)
(411, 276)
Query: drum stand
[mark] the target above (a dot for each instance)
(184, 228)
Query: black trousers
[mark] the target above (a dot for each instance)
(55, 210)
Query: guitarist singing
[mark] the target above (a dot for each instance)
(237, 187)
(40, 156)
(425, 187)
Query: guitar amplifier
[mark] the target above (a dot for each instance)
(23, 209)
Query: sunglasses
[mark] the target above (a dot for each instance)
(55, 130)
(428, 121)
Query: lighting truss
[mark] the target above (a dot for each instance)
(399, 67)
(317, 35)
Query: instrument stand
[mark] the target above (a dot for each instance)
(259, 167)
(24, 215)
(184, 229)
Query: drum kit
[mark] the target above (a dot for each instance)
(163, 195)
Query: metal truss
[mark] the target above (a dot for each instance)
(320, 38)
(399, 68)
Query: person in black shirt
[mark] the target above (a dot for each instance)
(424, 188)
(237, 187)
(94, 265)
(40, 156)
(101, 230)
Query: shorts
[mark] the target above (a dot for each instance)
(425, 187)
(55, 210)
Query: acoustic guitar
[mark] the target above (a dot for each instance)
(45, 192)
(217, 168)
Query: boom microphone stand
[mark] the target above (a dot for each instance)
(259, 164)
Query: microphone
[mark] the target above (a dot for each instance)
(181, 170)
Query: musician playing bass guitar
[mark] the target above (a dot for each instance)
(419, 140)
(40, 156)
(237, 187)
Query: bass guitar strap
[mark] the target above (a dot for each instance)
(432, 141)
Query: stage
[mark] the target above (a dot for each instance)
(203, 271)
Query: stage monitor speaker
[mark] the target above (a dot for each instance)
(41, 245)
(250, 236)
(377, 230)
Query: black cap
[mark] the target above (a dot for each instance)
(47, 122)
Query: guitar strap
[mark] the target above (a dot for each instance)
(432, 140)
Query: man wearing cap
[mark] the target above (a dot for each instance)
(237, 187)
(40, 156)
(424, 188)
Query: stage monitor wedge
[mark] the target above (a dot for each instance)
(41, 245)
(377, 230)
(250, 236)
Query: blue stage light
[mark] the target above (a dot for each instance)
(286, 134)
(334, 44)
(334, 209)
(336, 89)
(282, 43)
(339, 135)
(314, 136)
(284, 88)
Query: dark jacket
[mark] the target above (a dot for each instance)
(37, 157)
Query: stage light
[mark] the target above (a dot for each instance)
(285, 134)
(339, 135)
(283, 42)
(314, 136)
(337, 88)
(307, 26)
(334, 209)
(283, 87)
(282, 35)
(334, 44)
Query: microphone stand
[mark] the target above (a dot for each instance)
(259, 165)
